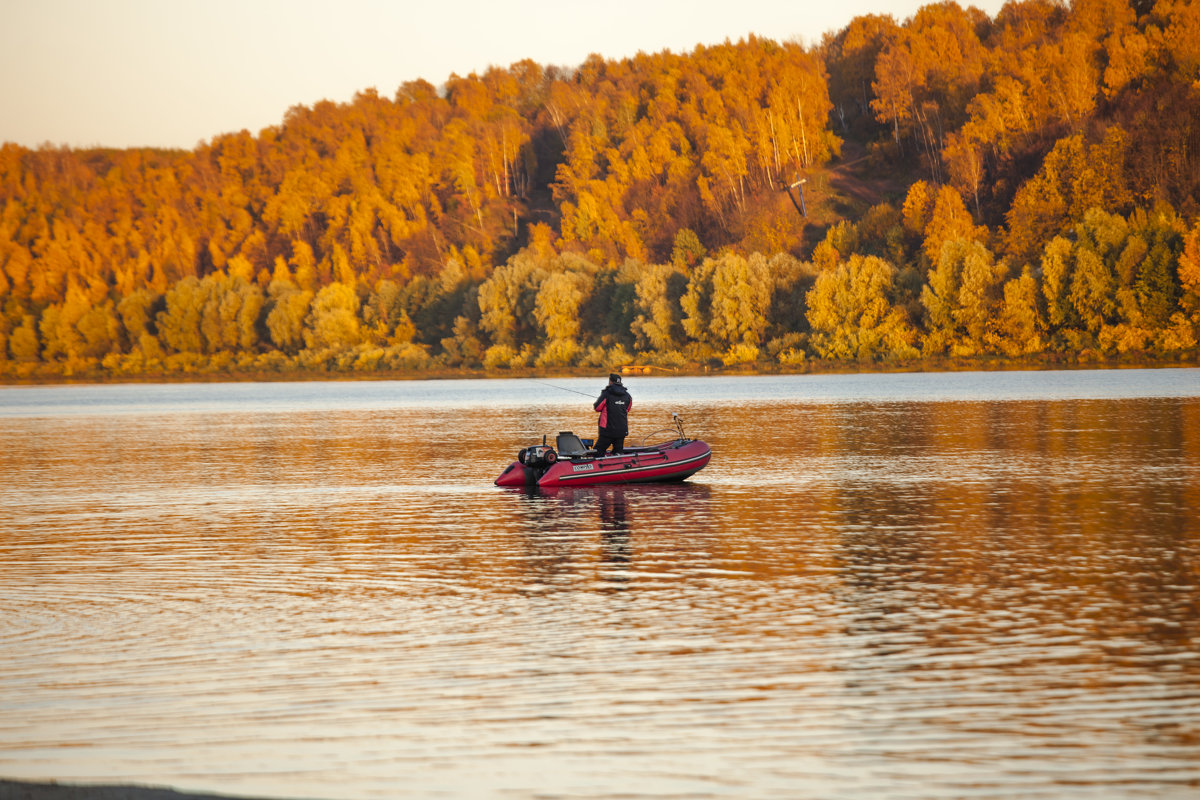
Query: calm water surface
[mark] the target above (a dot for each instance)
(884, 586)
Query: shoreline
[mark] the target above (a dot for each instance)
(998, 364)
(52, 790)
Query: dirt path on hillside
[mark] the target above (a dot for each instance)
(854, 176)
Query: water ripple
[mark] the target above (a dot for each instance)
(866, 599)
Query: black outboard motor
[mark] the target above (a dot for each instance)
(538, 456)
(533, 461)
(530, 466)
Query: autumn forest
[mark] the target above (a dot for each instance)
(943, 189)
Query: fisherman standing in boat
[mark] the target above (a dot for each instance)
(613, 404)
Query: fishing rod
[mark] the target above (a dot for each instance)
(563, 388)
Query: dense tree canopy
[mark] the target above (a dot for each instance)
(1035, 192)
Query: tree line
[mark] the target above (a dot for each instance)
(1032, 185)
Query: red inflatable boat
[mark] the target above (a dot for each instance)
(570, 463)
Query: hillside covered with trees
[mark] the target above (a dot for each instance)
(1024, 187)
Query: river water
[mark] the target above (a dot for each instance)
(883, 586)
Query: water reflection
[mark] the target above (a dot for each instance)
(607, 535)
(886, 598)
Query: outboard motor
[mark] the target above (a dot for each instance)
(531, 464)
(538, 456)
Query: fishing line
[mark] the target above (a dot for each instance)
(563, 388)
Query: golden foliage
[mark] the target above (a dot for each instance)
(532, 215)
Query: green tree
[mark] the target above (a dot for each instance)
(463, 347)
(792, 280)
(687, 250)
(1155, 281)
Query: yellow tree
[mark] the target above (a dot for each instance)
(287, 309)
(1021, 325)
(1181, 34)
(949, 221)
(1076, 74)
(851, 312)
(926, 73)
(723, 181)
(741, 298)
(179, 323)
(508, 297)
(1076, 176)
(136, 311)
(658, 325)
(1189, 275)
(796, 110)
(962, 299)
(918, 207)
(560, 299)
(333, 322)
(23, 343)
(1057, 268)
(1100, 239)
(963, 155)
(850, 57)
(78, 328)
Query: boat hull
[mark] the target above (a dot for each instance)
(674, 461)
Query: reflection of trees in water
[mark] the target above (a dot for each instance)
(1009, 569)
(988, 522)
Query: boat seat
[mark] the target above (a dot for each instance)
(568, 444)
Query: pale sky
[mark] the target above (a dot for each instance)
(174, 73)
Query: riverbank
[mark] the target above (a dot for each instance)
(46, 374)
(22, 790)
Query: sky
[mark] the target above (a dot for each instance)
(175, 73)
